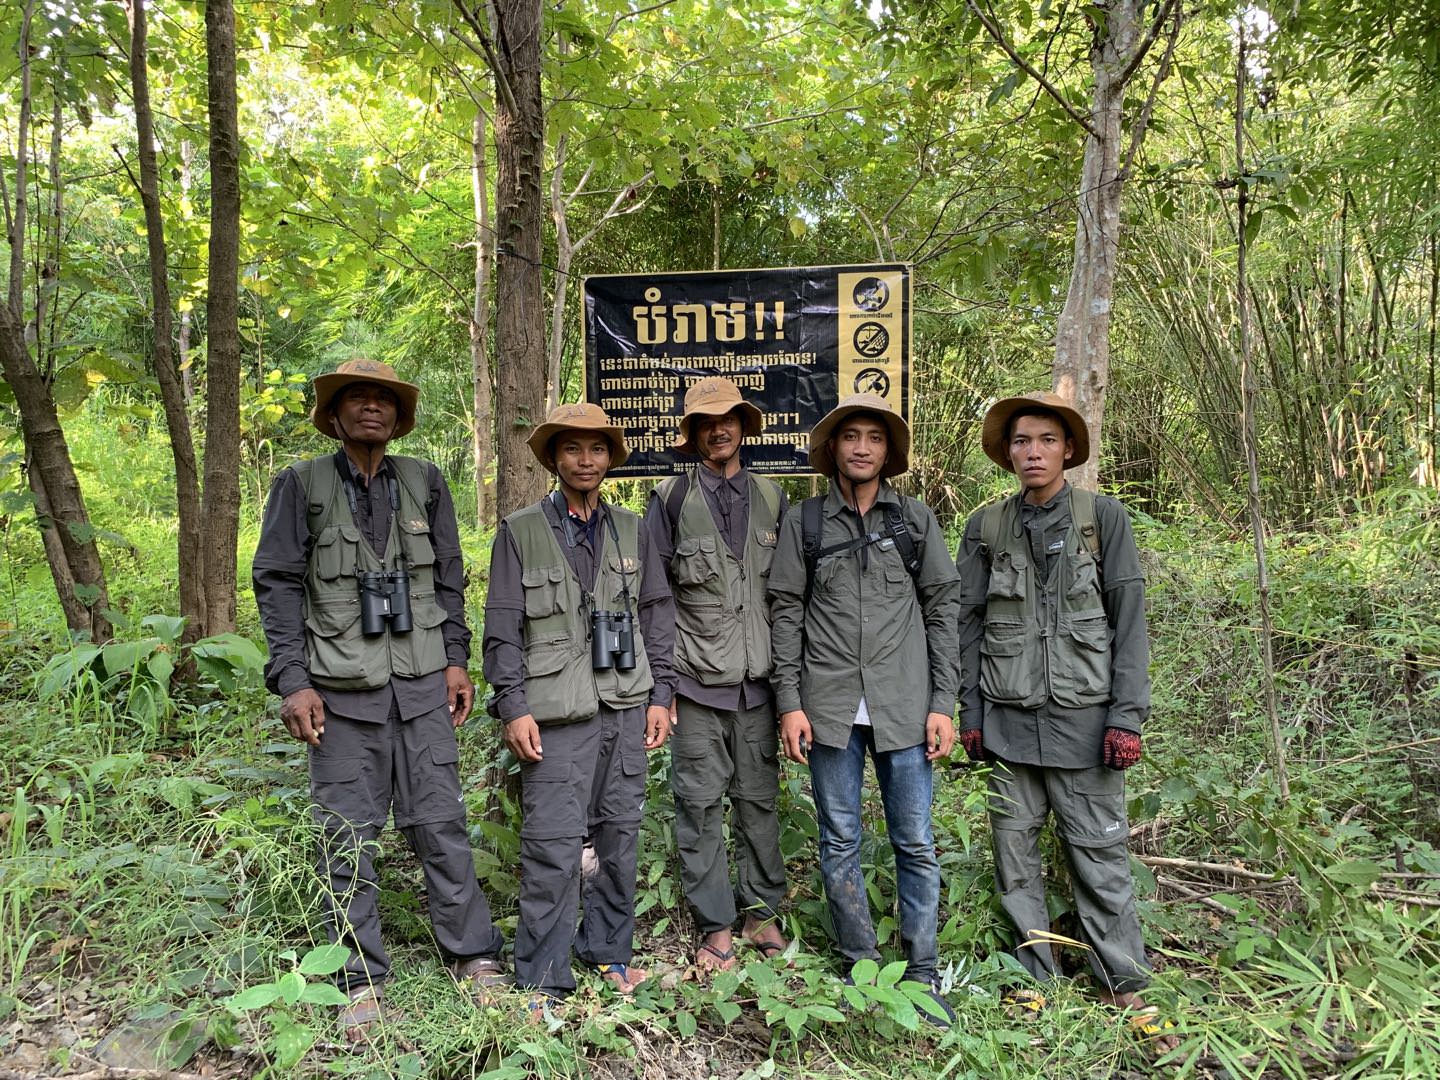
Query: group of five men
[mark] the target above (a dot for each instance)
(734, 626)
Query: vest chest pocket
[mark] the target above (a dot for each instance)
(415, 536)
(336, 549)
(1080, 662)
(765, 540)
(1007, 577)
(1084, 576)
(695, 562)
(621, 582)
(544, 591)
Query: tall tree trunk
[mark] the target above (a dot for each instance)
(520, 321)
(564, 256)
(222, 337)
(1082, 334)
(182, 340)
(484, 432)
(68, 537)
(172, 393)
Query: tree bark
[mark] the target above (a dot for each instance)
(221, 504)
(68, 538)
(564, 256)
(520, 320)
(484, 433)
(172, 392)
(1082, 334)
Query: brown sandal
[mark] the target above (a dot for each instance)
(361, 1012)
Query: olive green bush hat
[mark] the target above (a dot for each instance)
(897, 459)
(715, 396)
(994, 431)
(581, 416)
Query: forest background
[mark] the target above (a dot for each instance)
(1215, 225)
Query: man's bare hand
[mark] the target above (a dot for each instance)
(939, 736)
(522, 736)
(304, 715)
(657, 726)
(796, 736)
(460, 692)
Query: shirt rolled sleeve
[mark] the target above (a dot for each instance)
(974, 570)
(938, 587)
(1124, 600)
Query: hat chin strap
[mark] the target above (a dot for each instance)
(372, 457)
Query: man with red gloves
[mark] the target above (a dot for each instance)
(1054, 685)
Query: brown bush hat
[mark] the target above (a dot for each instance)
(715, 396)
(897, 460)
(361, 370)
(994, 432)
(581, 416)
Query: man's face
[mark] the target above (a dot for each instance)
(1039, 449)
(718, 437)
(860, 447)
(366, 413)
(582, 460)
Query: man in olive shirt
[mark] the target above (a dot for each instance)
(378, 706)
(579, 627)
(715, 529)
(1054, 684)
(865, 661)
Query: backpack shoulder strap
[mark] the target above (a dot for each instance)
(904, 541)
(412, 474)
(319, 480)
(811, 511)
(674, 490)
(1082, 516)
(992, 520)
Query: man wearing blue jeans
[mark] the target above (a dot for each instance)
(864, 601)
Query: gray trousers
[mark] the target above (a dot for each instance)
(1089, 808)
(715, 752)
(591, 783)
(357, 774)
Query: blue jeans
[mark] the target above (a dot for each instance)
(905, 788)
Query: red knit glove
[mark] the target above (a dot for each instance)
(974, 743)
(1121, 748)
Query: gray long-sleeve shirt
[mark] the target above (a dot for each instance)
(504, 640)
(729, 501)
(1054, 735)
(870, 630)
(278, 574)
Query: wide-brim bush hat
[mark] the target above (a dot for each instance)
(582, 416)
(897, 460)
(361, 370)
(994, 433)
(715, 396)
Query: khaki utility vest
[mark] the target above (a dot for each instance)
(1025, 657)
(561, 685)
(338, 655)
(722, 621)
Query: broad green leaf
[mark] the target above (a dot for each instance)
(255, 997)
(1358, 872)
(324, 960)
(323, 993)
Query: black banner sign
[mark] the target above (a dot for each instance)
(794, 340)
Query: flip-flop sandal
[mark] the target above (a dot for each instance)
(361, 1013)
(771, 949)
(1147, 1023)
(726, 958)
(1024, 1002)
(618, 976)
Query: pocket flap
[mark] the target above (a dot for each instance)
(687, 547)
(332, 619)
(426, 612)
(545, 659)
(350, 533)
(557, 574)
(1093, 634)
(444, 753)
(1003, 641)
(534, 577)
(336, 770)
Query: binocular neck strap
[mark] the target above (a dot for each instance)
(620, 556)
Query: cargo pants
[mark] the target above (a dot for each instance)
(357, 773)
(1089, 809)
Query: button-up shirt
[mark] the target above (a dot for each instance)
(504, 643)
(1053, 735)
(729, 501)
(870, 630)
(278, 574)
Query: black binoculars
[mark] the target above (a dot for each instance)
(612, 640)
(385, 597)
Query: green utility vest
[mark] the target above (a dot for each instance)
(722, 622)
(338, 655)
(561, 685)
(1025, 659)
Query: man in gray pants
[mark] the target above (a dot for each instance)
(715, 529)
(1054, 686)
(376, 696)
(579, 627)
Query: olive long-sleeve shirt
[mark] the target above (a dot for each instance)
(729, 501)
(1052, 734)
(504, 640)
(870, 630)
(278, 574)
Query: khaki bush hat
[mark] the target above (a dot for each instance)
(716, 396)
(897, 459)
(994, 432)
(361, 370)
(581, 416)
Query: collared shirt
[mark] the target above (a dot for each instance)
(278, 574)
(729, 501)
(1053, 735)
(504, 642)
(870, 630)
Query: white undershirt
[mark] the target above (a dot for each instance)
(862, 714)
